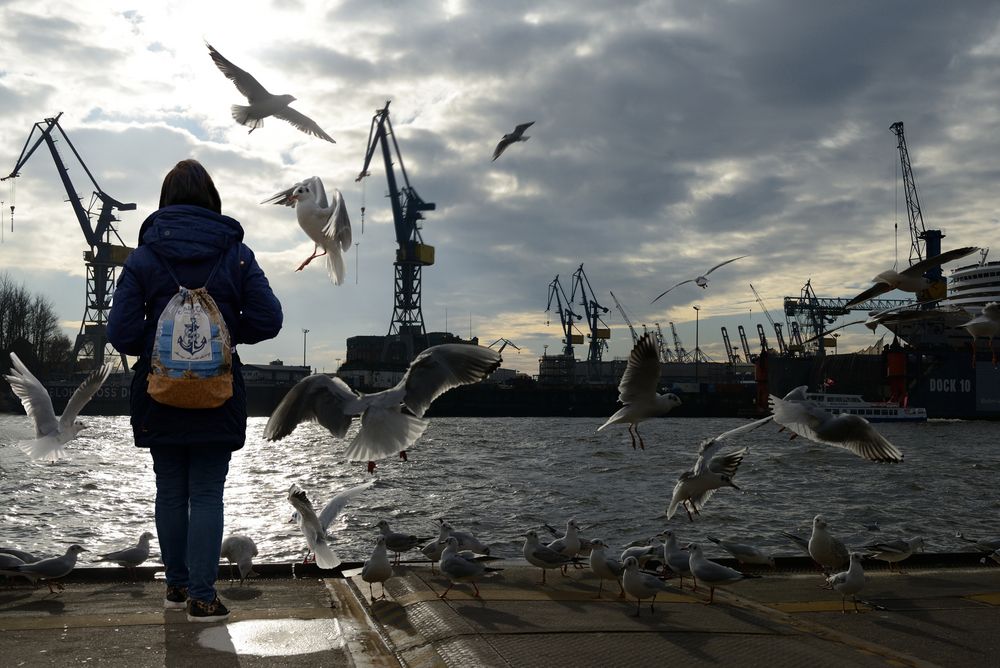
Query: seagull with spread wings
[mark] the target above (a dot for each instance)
(637, 390)
(986, 324)
(385, 427)
(910, 279)
(325, 222)
(511, 137)
(262, 103)
(700, 281)
(51, 433)
(314, 527)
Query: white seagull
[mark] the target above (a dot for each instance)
(240, 550)
(641, 585)
(377, 568)
(743, 553)
(700, 281)
(314, 527)
(711, 471)
(540, 555)
(852, 432)
(326, 223)
(51, 433)
(569, 544)
(637, 390)
(849, 582)
(710, 573)
(397, 542)
(464, 566)
(986, 324)
(385, 428)
(262, 103)
(677, 558)
(826, 549)
(131, 557)
(910, 279)
(511, 137)
(605, 566)
(52, 569)
(895, 551)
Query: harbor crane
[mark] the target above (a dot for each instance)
(592, 310)
(505, 342)
(412, 254)
(775, 325)
(661, 345)
(750, 357)
(731, 355)
(679, 352)
(567, 318)
(628, 322)
(91, 347)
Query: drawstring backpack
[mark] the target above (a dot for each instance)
(191, 363)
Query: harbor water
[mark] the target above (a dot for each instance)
(499, 477)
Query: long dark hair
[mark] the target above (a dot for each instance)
(189, 183)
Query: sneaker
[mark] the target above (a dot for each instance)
(199, 611)
(176, 598)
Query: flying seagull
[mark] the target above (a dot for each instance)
(327, 224)
(910, 279)
(637, 390)
(987, 324)
(701, 281)
(263, 104)
(385, 427)
(511, 137)
(51, 433)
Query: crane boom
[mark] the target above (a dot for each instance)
(682, 355)
(566, 315)
(412, 253)
(598, 335)
(621, 310)
(103, 258)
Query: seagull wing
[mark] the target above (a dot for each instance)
(337, 503)
(319, 192)
(891, 547)
(726, 464)
(851, 432)
(873, 291)
(919, 268)
(642, 372)
(311, 528)
(690, 280)
(284, 197)
(502, 146)
(303, 123)
(708, 451)
(318, 398)
(519, 130)
(440, 368)
(338, 228)
(722, 264)
(35, 399)
(83, 394)
(244, 82)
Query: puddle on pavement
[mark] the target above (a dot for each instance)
(274, 637)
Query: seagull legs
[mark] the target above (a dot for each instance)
(402, 455)
(446, 591)
(371, 467)
(642, 446)
(711, 596)
(630, 426)
(312, 257)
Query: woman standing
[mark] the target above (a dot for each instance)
(189, 238)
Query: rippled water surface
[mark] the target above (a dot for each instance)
(501, 476)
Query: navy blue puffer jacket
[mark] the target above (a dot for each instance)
(191, 239)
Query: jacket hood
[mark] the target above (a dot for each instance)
(189, 232)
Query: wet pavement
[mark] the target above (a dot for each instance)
(929, 616)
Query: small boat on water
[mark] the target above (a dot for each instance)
(873, 411)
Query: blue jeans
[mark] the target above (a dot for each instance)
(189, 509)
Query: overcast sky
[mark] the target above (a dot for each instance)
(668, 136)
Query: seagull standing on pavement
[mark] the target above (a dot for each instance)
(640, 585)
(241, 550)
(700, 281)
(51, 433)
(826, 549)
(377, 568)
(540, 555)
(397, 542)
(637, 390)
(710, 573)
(677, 558)
(326, 223)
(511, 137)
(569, 544)
(604, 566)
(895, 551)
(849, 582)
(52, 569)
(744, 554)
(464, 566)
(385, 427)
(132, 557)
(262, 103)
